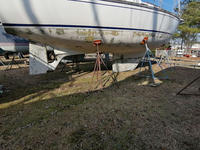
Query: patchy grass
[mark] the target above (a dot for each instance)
(64, 111)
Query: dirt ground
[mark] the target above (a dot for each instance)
(63, 110)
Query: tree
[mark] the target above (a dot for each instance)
(188, 30)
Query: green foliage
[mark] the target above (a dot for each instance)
(189, 29)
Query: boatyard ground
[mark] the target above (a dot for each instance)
(62, 110)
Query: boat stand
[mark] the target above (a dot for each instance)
(100, 80)
(164, 58)
(11, 63)
(1, 62)
(1, 89)
(188, 85)
(147, 58)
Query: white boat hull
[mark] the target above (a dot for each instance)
(75, 24)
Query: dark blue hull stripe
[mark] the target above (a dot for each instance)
(79, 26)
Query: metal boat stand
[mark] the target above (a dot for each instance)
(188, 85)
(147, 58)
(165, 58)
(1, 89)
(100, 79)
(11, 63)
(1, 62)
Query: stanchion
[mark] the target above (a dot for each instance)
(97, 67)
(181, 91)
(11, 63)
(147, 58)
(1, 61)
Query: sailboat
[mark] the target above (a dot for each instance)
(74, 24)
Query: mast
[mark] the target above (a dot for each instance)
(179, 7)
(160, 3)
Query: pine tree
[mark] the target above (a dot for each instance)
(189, 29)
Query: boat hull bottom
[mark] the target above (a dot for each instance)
(81, 40)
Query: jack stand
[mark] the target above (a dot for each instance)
(1, 61)
(180, 92)
(63, 66)
(11, 63)
(164, 58)
(97, 67)
(1, 89)
(147, 59)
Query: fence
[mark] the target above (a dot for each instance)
(178, 53)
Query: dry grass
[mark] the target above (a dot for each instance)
(61, 111)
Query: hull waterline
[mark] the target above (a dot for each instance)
(75, 24)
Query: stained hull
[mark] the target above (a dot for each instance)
(75, 24)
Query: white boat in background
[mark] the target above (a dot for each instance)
(12, 44)
(75, 24)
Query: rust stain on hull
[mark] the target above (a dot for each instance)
(60, 31)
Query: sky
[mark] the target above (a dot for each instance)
(167, 4)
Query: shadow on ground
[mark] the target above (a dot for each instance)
(19, 85)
